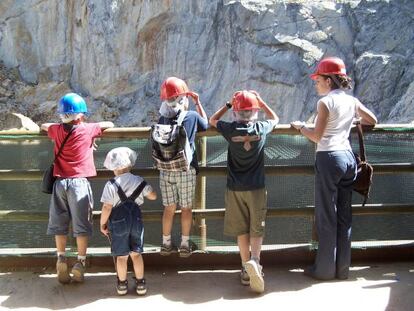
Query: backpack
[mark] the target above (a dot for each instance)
(171, 150)
(127, 204)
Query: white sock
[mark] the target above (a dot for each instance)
(166, 240)
(61, 254)
(185, 239)
(82, 259)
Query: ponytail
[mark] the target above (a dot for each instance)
(340, 82)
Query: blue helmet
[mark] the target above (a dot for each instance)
(72, 103)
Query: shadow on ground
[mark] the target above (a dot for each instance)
(382, 286)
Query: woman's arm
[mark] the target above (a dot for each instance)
(315, 134)
(367, 116)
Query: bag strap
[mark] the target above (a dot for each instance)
(63, 143)
(360, 135)
(181, 117)
(134, 194)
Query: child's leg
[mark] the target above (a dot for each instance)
(61, 264)
(243, 243)
(256, 245)
(60, 243)
(167, 219)
(122, 267)
(186, 222)
(138, 263)
(82, 244)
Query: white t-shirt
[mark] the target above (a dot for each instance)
(128, 183)
(341, 107)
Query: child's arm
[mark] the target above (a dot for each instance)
(270, 114)
(199, 107)
(45, 126)
(106, 211)
(105, 124)
(217, 115)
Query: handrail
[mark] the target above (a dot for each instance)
(210, 171)
(143, 132)
(218, 213)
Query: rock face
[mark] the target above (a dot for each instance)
(116, 53)
(17, 121)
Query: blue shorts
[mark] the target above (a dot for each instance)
(71, 201)
(127, 235)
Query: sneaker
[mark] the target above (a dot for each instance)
(166, 250)
(244, 277)
(122, 287)
(185, 251)
(78, 272)
(141, 287)
(254, 270)
(62, 270)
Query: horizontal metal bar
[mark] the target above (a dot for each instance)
(156, 215)
(279, 170)
(143, 132)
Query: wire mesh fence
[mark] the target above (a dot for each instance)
(284, 191)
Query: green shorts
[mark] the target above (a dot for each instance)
(245, 212)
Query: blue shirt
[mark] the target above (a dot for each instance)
(192, 123)
(245, 156)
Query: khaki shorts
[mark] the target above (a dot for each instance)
(245, 212)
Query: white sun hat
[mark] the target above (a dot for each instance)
(119, 158)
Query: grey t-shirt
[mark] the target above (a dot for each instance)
(128, 183)
(245, 158)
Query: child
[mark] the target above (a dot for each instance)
(122, 219)
(246, 197)
(178, 187)
(72, 198)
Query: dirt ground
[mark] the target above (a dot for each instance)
(383, 286)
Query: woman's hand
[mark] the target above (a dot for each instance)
(298, 125)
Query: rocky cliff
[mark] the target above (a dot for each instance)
(116, 53)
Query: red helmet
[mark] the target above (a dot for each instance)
(173, 87)
(245, 100)
(330, 66)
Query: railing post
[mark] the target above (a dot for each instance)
(200, 223)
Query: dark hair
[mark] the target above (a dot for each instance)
(339, 81)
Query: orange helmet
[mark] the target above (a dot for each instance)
(245, 100)
(173, 87)
(330, 66)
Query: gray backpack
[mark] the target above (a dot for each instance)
(171, 149)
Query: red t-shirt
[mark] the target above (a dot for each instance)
(76, 158)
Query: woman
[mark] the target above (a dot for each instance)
(335, 167)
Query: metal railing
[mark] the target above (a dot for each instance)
(200, 212)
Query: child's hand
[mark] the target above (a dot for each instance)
(259, 99)
(104, 229)
(195, 97)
